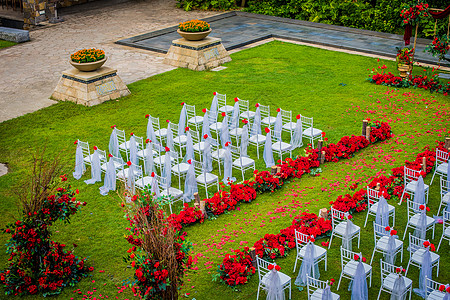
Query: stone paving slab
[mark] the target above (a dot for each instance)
(237, 29)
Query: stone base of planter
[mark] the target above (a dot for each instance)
(90, 88)
(197, 55)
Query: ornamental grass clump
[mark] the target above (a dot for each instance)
(194, 26)
(87, 55)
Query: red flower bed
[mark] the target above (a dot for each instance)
(236, 269)
(188, 215)
(430, 83)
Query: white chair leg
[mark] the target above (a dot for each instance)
(401, 198)
(407, 267)
(295, 265)
(331, 238)
(434, 173)
(359, 239)
(257, 295)
(339, 283)
(326, 261)
(379, 293)
(439, 245)
(406, 229)
(433, 230)
(373, 254)
(367, 217)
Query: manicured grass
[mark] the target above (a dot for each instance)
(330, 86)
(5, 44)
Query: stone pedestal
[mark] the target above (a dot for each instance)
(90, 88)
(197, 55)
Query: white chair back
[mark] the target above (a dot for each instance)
(313, 284)
(413, 208)
(346, 256)
(221, 100)
(415, 244)
(118, 162)
(307, 123)
(243, 105)
(372, 197)
(410, 175)
(432, 286)
(441, 157)
(102, 156)
(446, 220)
(445, 186)
(379, 231)
(190, 111)
(262, 266)
(264, 110)
(286, 117)
(84, 148)
(121, 138)
(337, 217)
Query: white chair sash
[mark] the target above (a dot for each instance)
(96, 171)
(109, 182)
(79, 163)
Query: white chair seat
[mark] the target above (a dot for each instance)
(248, 114)
(209, 178)
(181, 168)
(144, 181)
(418, 256)
(175, 193)
(446, 198)
(447, 232)
(281, 146)
(350, 268)
(382, 243)
(442, 168)
(218, 154)
(226, 109)
(236, 131)
(117, 166)
(88, 158)
(289, 126)
(143, 153)
(196, 120)
(374, 208)
(340, 229)
(414, 221)
(243, 162)
(199, 147)
(411, 186)
(317, 295)
(312, 133)
(258, 139)
(318, 252)
(124, 146)
(161, 132)
(269, 120)
(161, 159)
(435, 295)
(284, 279)
(216, 126)
(388, 282)
(181, 139)
(123, 174)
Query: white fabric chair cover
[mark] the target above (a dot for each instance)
(133, 151)
(326, 293)
(79, 163)
(109, 182)
(149, 164)
(167, 171)
(235, 116)
(448, 170)
(421, 230)
(425, 272)
(189, 147)
(358, 285)
(114, 144)
(389, 255)
(399, 289)
(224, 132)
(274, 288)
(278, 126)
(347, 238)
(268, 153)
(154, 189)
(190, 184)
(130, 186)
(297, 136)
(419, 193)
(182, 121)
(308, 266)
(382, 215)
(244, 140)
(447, 295)
(205, 126)
(169, 137)
(96, 171)
(214, 104)
(227, 167)
(150, 131)
(207, 157)
(256, 127)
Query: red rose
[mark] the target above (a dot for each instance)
(167, 149)
(189, 161)
(426, 243)
(147, 141)
(76, 142)
(387, 228)
(278, 109)
(224, 114)
(214, 93)
(448, 289)
(167, 121)
(350, 217)
(270, 267)
(113, 126)
(245, 121)
(356, 257)
(364, 259)
(441, 287)
(393, 232)
(236, 99)
(129, 163)
(226, 144)
(153, 174)
(95, 148)
(257, 105)
(427, 208)
(110, 155)
(147, 116)
(267, 129)
(422, 173)
(187, 128)
(91, 269)
(131, 134)
(277, 267)
(323, 134)
(205, 136)
(422, 207)
(182, 103)
(204, 110)
(298, 117)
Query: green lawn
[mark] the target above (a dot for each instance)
(5, 44)
(330, 86)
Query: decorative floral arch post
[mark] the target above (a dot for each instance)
(412, 13)
(441, 44)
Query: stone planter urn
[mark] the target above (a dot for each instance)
(90, 66)
(194, 36)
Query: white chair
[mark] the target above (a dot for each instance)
(159, 160)
(171, 194)
(192, 118)
(122, 140)
(414, 213)
(118, 164)
(199, 146)
(441, 165)
(445, 229)
(263, 275)
(88, 159)
(142, 181)
(381, 238)
(410, 178)
(244, 109)
(416, 252)
(256, 140)
(320, 254)
(266, 119)
(124, 173)
(178, 167)
(372, 205)
(217, 154)
(280, 147)
(340, 224)
(388, 277)
(143, 152)
(309, 131)
(286, 119)
(445, 193)
(349, 264)
(236, 132)
(86, 152)
(179, 141)
(204, 178)
(222, 103)
(160, 133)
(315, 289)
(241, 162)
(433, 292)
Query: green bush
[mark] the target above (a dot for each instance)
(207, 4)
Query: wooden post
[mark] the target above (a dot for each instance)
(197, 198)
(278, 169)
(368, 129)
(414, 46)
(203, 207)
(273, 170)
(253, 256)
(424, 164)
(323, 213)
(364, 127)
(447, 143)
(319, 147)
(378, 187)
(322, 157)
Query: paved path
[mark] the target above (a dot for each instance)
(29, 72)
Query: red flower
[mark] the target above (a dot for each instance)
(226, 144)
(129, 163)
(95, 148)
(113, 126)
(277, 267)
(236, 99)
(393, 232)
(76, 142)
(356, 257)
(147, 141)
(182, 103)
(224, 114)
(332, 281)
(110, 155)
(153, 174)
(323, 134)
(167, 149)
(91, 269)
(270, 267)
(278, 109)
(448, 289)
(441, 287)
(245, 121)
(298, 117)
(147, 116)
(131, 133)
(364, 259)
(350, 217)
(187, 128)
(214, 93)
(426, 244)
(167, 121)
(267, 129)
(204, 110)
(205, 136)
(422, 207)
(387, 228)
(189, 161)
(257, 105)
